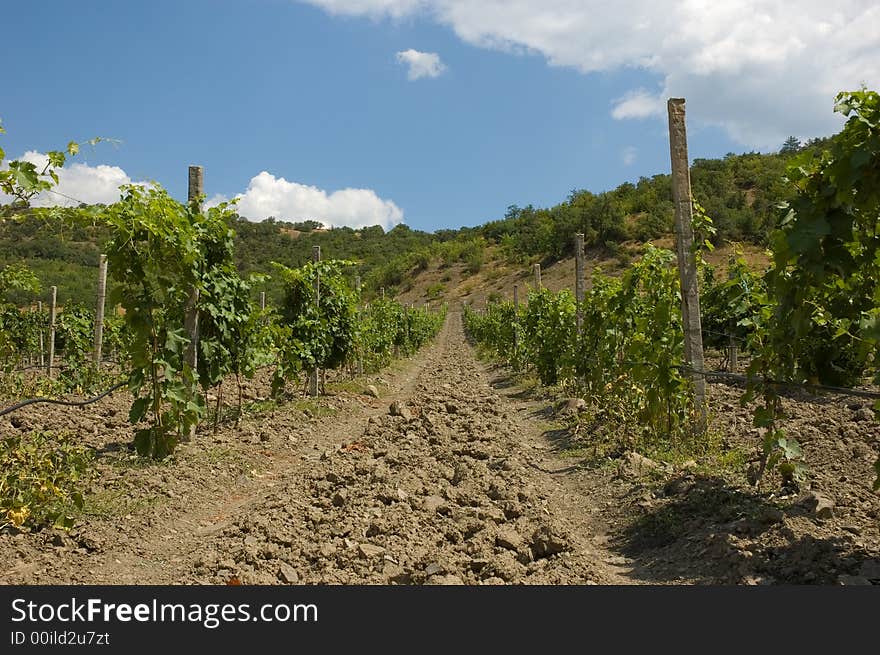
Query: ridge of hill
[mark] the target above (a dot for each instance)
(739, 192)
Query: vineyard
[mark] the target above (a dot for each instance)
(185, 322)
(184, 429)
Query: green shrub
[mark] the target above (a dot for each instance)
(42, 480)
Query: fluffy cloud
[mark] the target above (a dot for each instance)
(268, 195)
(265, 196)
(421, 64)
(78, 182)
(638, 103)
(760, 69)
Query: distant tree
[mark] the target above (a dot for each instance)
(307, 226)
(792, 145)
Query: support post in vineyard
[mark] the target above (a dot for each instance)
(687, 266)
(191, 322)
(262, 301)
(579, 280)
(99, 310)
(733, 354)
(360, 354)
(515, 322)
(52, 314)
(412, 306)
(195, 191)
(537, 269)
(42, 346)
(313, 376)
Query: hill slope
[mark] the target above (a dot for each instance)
(739, 192)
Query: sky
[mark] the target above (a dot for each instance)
(435, 113)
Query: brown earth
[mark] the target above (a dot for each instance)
(454, 284)
(456, 475)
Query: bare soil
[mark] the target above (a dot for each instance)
(455, 475)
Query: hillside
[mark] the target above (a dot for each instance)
(496, 278)
(739, 192)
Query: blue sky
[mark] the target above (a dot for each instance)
(314, 92)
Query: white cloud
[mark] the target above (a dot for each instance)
(374, 8)
(760, 69)
(268, 195)
(265, 196)
(629, 155)
(638, 103)
(421, 64)
(77, 182)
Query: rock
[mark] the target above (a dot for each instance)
(509, 538)
(678, 486)
(822, 507)
(864, 414)
(370, 550)
(371, 390)
(399, 408)
(547, 541)
(461, 472)
(390, 571)
(434, 569)
(452, 408)
(449, 580)
(635, 465)
(401, 578)
(770, 515)
(571, 406)
(339, 498)
(433, 503)
(251, 543)
(491, 513)
(288, 574)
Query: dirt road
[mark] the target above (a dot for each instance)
(453, 484)
(452, 476)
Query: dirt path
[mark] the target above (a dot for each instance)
(457, 487)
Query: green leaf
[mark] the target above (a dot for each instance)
(143, 441)
(139, 409)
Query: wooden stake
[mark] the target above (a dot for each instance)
(52, 313)
(537, 270)
(42, 346)
(313, 377)
(515, 321)
(687, 266)
(191, 322)
(579, 280)
(99, 310)
(195, 191)
(360, 358)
